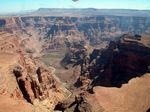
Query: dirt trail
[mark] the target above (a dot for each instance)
(60, 83)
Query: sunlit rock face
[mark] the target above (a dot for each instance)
(23, 80)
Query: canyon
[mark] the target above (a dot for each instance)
(75, 62)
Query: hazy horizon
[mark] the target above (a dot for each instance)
(13, 6)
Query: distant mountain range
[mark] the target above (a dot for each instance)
(82, 12)
(16, 13)
(91, 12)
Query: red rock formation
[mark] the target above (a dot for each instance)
(117, 64)
(126, 61)
(38, 84)
(22, 79)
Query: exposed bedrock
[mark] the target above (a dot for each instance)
(24, 79)
(57, 31)
(121, 61)
(39, 86)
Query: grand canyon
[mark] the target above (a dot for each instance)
(78, 60)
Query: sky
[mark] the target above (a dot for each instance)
(7, 6)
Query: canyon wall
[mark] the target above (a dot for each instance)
(57, 32)
(24, 79)
(118, 63)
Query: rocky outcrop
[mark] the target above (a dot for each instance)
(40, 87)
(126, 61)
(118, 63)
(79, 104)
(23, 78)
(37, 84)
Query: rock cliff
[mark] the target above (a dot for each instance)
(22, 79)
(119, 62)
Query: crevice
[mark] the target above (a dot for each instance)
(26, 96)
(21, 84)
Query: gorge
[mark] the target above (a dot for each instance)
(75, 63)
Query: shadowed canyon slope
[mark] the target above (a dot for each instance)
(121, 61)
(103, 61)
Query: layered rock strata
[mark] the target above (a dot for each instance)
(123, 60)
(23, 80)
